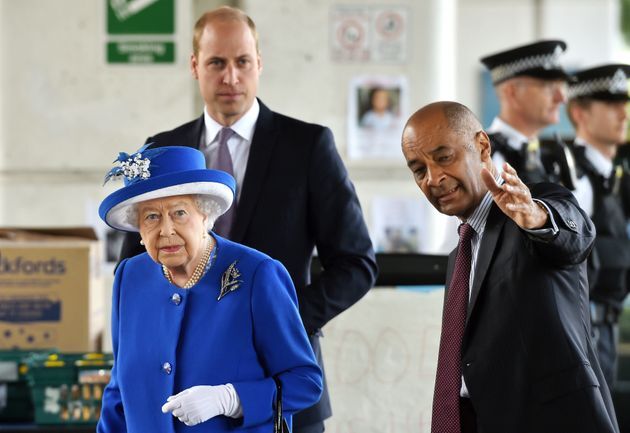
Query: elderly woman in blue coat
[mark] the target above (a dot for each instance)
(202, 327)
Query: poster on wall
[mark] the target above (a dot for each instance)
(369, 34)
(389, 41)
(377, 111)
(411, 225)
(349, 29)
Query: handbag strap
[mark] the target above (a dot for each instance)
(277, 419)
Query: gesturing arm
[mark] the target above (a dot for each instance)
(569, 233)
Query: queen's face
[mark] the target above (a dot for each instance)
(173, 231)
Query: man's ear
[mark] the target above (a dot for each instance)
(576, 113)
(507, 90)
(484, 145)
(193, 66)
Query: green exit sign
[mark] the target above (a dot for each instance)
(129, 20)
(134, 17)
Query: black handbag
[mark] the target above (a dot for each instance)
(279, 423)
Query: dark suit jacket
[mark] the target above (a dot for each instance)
(296, 195)
(527, 358)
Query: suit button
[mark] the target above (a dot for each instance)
(166, 368)
(571, 224)
(468, 364)
(176, 299)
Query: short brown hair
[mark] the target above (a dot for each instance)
(583, 103)
(223, 13)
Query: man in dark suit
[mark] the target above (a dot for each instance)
(293, 191)
(515, 351)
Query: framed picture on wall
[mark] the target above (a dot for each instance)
(377, 110)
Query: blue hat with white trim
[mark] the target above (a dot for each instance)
(162, 172)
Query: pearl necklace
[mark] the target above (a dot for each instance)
(197, 273)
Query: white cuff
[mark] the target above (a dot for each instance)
(233, 409)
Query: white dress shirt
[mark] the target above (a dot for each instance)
(583, 189)
(238, 145)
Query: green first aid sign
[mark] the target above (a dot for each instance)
(144, 17)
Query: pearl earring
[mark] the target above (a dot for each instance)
(141, 242)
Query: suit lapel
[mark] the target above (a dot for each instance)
(191, 136)
(263, 143)
(494, 224)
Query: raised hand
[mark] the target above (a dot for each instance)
(514, 199)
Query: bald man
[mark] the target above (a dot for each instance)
(515, 352)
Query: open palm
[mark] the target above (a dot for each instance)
(514, 198)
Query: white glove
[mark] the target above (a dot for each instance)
(200, 403)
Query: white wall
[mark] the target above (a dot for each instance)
(67, 113)
(3, 101)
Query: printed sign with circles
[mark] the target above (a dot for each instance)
(350, 35)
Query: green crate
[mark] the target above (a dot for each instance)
(624, 325)
(68, 388)
(17, 405)
(14, 363)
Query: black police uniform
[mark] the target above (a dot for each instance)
(556, 164)
(609, 262)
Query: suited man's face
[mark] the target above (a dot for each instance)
(447, 163)
(227, 68)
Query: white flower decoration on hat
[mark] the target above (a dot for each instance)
(134, 167)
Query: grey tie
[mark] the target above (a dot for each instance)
(223, 162)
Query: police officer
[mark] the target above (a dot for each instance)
(531, 85)
(597, 108)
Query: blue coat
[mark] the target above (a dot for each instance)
(162, 346)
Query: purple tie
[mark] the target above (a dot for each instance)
(223, 162)
(448, 381)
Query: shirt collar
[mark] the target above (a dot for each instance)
(480, 215)
(515, 138)
(244, 127)
(603, 165)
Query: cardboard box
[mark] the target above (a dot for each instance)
(51, 292)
